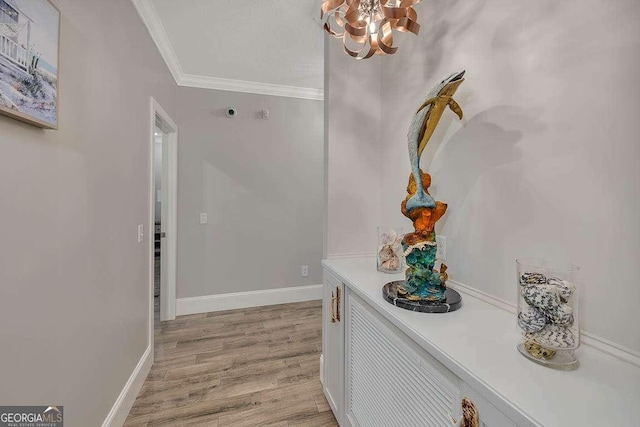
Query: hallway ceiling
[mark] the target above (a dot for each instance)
(244, 43)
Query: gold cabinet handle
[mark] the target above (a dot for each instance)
(333, 311)
(335, 305)
(338, 293)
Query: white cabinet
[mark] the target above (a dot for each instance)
(389, 380)
(333, 343)
(374, 375)
(389, 367)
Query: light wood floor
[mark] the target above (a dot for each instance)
(250, 367)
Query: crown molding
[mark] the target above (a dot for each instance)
(218, 83)
(152, 21)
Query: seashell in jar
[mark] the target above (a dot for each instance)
(392, 264)
(531, 319)
(386, 253)
(538, 351)
(532, 279)
(544, 297)
(561, 315)
(553, 336)
(565, 288)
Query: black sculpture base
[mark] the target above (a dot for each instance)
(452, 302)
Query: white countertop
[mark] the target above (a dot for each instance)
(478, 344)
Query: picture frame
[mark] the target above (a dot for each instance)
(30, 61)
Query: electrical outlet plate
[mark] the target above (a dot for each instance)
(203, 218)
(441, 252)
(140, 233)
(304, 271)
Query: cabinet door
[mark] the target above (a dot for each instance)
(333, 343)
(488, 415)
(392, 382)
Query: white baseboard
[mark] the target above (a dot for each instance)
(322, 368)
(123, 404)
(621, 352)
(232, 301)
(352, 255)
(606, 346)
(466, 289)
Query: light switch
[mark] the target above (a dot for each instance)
(140, 233)
(203, 218)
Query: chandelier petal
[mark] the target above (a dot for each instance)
(369, 24)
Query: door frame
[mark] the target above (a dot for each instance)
(169, 243)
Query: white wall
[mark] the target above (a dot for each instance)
(545, 162)
(261, 184)
(74, 282)
(352, 97)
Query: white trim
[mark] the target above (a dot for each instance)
(322, 369)
(152, 21)
(170, 246)
(353, 255)
(606, 346)
(244, 86)
(120, 409)
(231, 301)
(476, 293)
(621, 352)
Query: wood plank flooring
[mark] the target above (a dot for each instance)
(249, 367)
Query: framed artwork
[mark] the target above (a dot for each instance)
(29, 54)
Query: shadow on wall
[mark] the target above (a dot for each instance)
(488, 141)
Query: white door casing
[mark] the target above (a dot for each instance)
(160, 119)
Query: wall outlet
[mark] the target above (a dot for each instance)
(203, 218)
(304, 271)
(140, 233)
(441, 252)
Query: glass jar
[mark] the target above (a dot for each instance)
(390, 257)
(548, 317)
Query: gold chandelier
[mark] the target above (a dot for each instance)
(366, 26)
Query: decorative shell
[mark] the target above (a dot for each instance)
(538, 351)
(565, 288)
(544, 297)
(385, 254)
(531, 319)
(392, 263)
(561, 315)
(388, 258)
(533, 279)
(553, 336)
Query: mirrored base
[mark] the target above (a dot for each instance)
(565, 360)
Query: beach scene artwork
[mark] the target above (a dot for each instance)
(29, 45)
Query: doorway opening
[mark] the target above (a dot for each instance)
(162, 223)
(158, 234)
